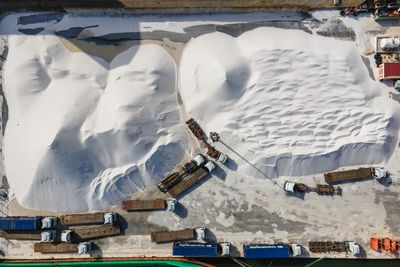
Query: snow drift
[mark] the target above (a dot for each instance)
(84, 133)
(290, 102)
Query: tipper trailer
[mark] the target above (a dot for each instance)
(149, 204)
(21, 235)
(178, 235)
(320, 189)
(268, 251)
(335, 246)
(89, 218)
(87, 233)
(361, 173)
(27, 223)
(45, 247)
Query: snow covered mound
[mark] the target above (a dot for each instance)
(290, 102)
(84, 133)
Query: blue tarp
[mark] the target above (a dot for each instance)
(259, 251)
(195, 249)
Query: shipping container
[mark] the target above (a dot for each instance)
(260, 251)
(192, 249)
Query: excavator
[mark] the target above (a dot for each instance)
(384, 244)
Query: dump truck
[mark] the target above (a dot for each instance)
(191, 179)
(89, 218)
(335, 246)
(361, 173)
(149, 204)
(216, 154)
(27, 223)
(74, 235)
(174, 178)
(384, 244)
(320, 189)
(178, 235)
(46, 247)
(268, 251)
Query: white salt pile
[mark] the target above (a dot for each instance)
(290, 102)
(83, 133)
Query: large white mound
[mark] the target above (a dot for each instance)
(289, 102)
(83, 133)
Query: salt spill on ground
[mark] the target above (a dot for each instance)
(84, 130)
(289, 102)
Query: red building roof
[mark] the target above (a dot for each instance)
(390, 70)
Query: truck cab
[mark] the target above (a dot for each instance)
(199, 160)
(48, 236)
(66, 236)
(200, 233)
(222, 158)
(225, 248)
(379, 173)
(171, 204)
(353, 248)
(49, 222)
(110, 217)
(210, 166)
(84, 248)
(289, 186)
(295, 249)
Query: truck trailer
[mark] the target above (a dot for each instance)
(178, 235)
(86, 233)
(27, 223)
(268, 251)
(148, 204)
(384, 244)
(89, 218)
(193, 249)
(21, 235)
(361, 173)
(46, 247)
(335, 246)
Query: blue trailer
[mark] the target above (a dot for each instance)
(20, 223)
(192, 249)
(260, 251)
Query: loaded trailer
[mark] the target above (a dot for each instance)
(384, 244)
(89, 218)
(86, 233)
(45, 247)
(149, 204)
(17, 223)
(44, 236)
(350, 175)
(178, 235)
(335, 246)
(320, 189)
(268, 251)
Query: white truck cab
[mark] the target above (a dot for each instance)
(84, 248)
(210, 166)
(379, 173)
(49, 222)
(199, 159)
(48, 236)
(200, 233)
(289, 186)
(222, 158)
(296, 249)
(110, 217)
(225, 248)
(353, 248)
(171, 204)
(66, 236)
